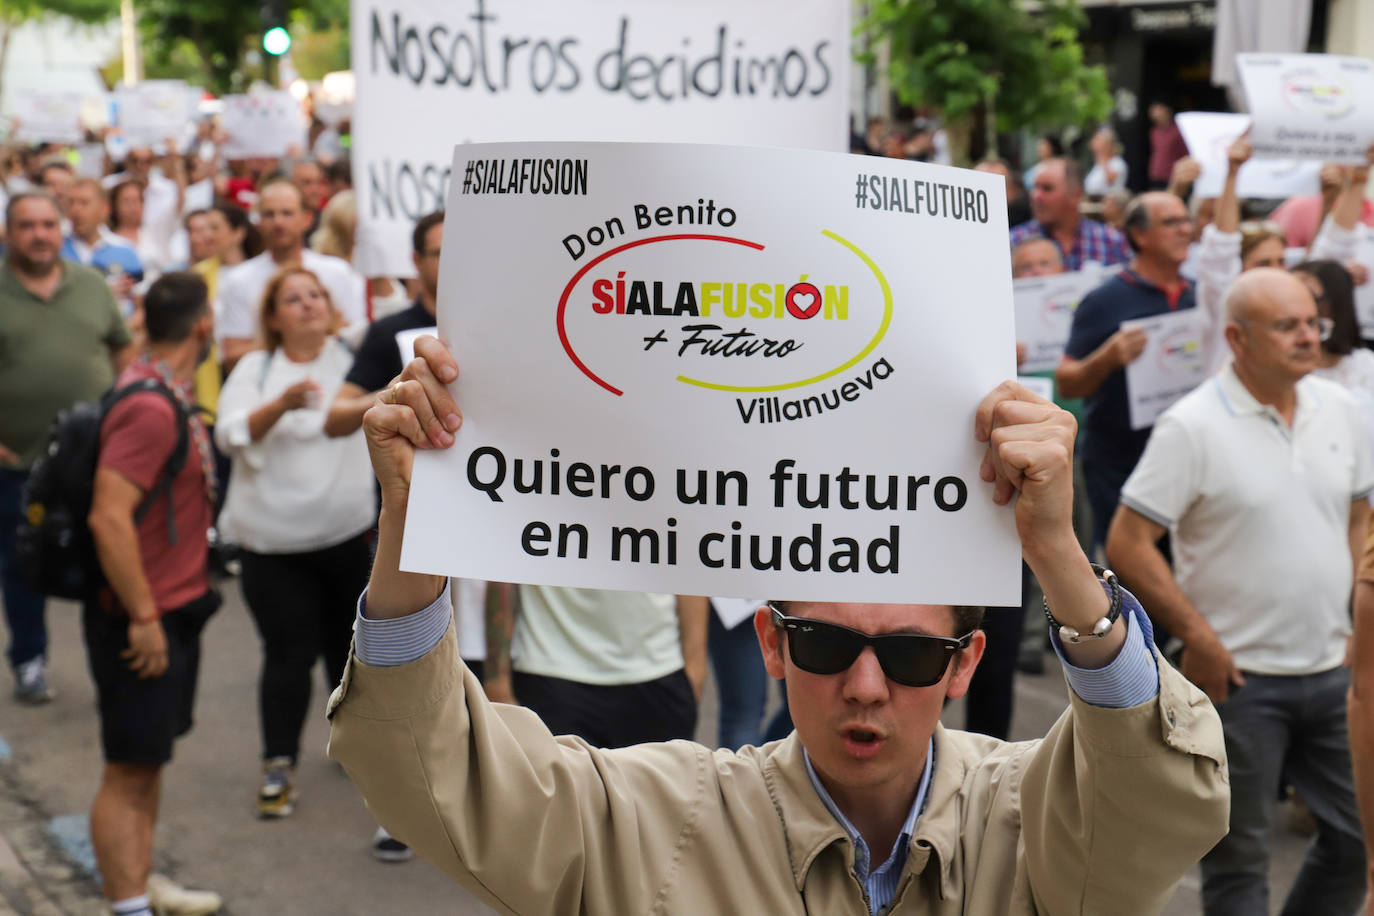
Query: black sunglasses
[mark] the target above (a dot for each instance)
(911, 659)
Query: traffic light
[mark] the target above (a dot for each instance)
(276, 40)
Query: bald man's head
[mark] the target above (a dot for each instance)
(1272, 327)
(1254, 293)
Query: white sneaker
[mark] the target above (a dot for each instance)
(171, 899)
(31, 682)
(389, 849)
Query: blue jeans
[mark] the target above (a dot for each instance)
(23, 605)
(742, 687)
(741, 682)
(1293, 726)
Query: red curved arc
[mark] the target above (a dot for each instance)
(567, 291)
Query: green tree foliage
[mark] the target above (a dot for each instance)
(990, 60)
(224, 32)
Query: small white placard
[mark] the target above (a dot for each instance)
(47, 116)
(262, 124)
(1044, 314)
(1209, 136)
(1171, 365)
(1309, 106)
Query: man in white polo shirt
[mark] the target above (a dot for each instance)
(283, 219)
(1261, 475)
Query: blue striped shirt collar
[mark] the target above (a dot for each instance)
(880, 882)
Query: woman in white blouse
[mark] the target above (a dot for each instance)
(1109, 169)
(301, 505)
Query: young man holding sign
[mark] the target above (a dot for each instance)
(870, 805)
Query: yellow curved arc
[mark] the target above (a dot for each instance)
(877, 338)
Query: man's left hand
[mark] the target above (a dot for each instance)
(147, 652)
(1030, 451)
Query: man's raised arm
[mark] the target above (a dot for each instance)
(415, 412)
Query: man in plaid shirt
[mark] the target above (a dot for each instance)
(1055, 197)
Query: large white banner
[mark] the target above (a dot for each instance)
(155, 111)
(47, 116)
(1310, 106)
(432, 73)
(720, 371)
(1172, 364)
(1044, 314)
(1209, 136)
(265, 124)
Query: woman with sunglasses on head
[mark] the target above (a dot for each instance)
(300, 504)
(1229, 247)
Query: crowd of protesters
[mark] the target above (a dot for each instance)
(226, 289)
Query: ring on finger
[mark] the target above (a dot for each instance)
(394, 394)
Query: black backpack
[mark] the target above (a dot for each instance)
(54, 544)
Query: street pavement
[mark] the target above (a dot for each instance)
(317, 861)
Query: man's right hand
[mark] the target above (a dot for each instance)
(8, 457)
(1127, 344)
(1209, 665)
(414, 412)
(1239, 152)
(147, 652)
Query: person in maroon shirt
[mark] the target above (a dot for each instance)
(1166, 146)
(142, 630)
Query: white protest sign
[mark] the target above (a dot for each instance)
(1209, 136)
(1171, 365)
(261, 124)
(154, 111)
(1039, 385)
(1044, 314)
(433, 73)
(1309, 106)
(405, 341)
(90, 160)
(47, 116)
(680, 374)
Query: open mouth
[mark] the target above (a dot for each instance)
(862, 743)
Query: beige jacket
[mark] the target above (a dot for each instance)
(1102, 816)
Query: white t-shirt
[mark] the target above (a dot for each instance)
(1095, 183)
(241, 288)
(296, 490)
(1260, 516)
(469, 598)
(597, 636)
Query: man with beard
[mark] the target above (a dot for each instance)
(61, 341)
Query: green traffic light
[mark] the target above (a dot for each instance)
(276, 41)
